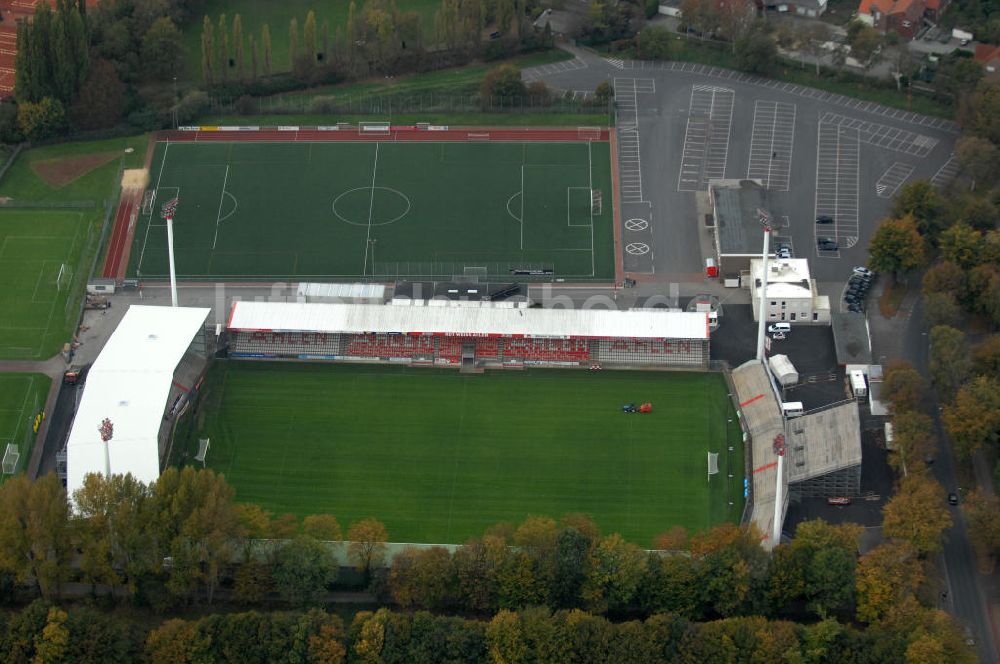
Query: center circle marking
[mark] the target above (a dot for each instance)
(374, 222)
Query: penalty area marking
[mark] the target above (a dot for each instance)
(511, 200)
(366, 224)
(570, 223)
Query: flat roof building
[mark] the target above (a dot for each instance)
(791, 292)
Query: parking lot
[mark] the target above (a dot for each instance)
(819, 153)
(706, 140)
(771, 144)
(838, 169)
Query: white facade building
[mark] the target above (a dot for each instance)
(791, 293)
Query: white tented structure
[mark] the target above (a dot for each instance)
(467, 336)
(783, 369)
(126, 394)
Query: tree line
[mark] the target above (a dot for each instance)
(43, 632)
(953, 236)
(184, 539)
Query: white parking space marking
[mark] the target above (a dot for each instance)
(793, 89)
(837, 173)
(892, 179)
(946, 174)
(885, 136)
(629, 162)
(771, 144)
(706, 139)
(536, 73)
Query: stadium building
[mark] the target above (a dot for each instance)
(470, 337)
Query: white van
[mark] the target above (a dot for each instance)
(779, 328)
(792, 408)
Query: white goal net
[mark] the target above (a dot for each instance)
(10, 458)
(713, 464)
(63, 278)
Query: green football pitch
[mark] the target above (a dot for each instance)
(347, 210)
(22, 396)
(43, 256)
(439, 456)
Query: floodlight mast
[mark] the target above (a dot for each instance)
(173, 269)
(107, 431)
(779, 498)
(765, 220)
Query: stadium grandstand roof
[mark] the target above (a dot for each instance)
(760, 411)
(129, 385)
(466, 321)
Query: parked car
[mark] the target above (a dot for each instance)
(839, 501)
(779, 328)
(826, 244)
(784, 253)
(824, 219)
(855, 308)
(953, 498)
(783, 245)
(852, 299)
(864, 272)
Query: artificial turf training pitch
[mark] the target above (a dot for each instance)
(439, 456)
(378, 209)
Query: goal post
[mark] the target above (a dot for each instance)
(713, 464)
(588, 133)
(11, 456)
(596, 201)
(203, 445)
(64, 277)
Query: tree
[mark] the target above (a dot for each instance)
(53, 54)
(613, 580)
(326, 55)
(886, 575)
(505, 640)
(238, 47)
(942, 309)
(303, 570)
(957, 77)
(52, 643)
(865, 42)
(207, 51)
(914, 436)
(604, 92)
(367, 544)
(984, 111)
(921, 200)
(102, 101)
(814, 36)
(309, 39)
(961, 244)
(35, 539)
(736, 18)
(322, 527)
(502, 86)
(422, 577)
(896, 246)
(979, 213)
(755, 52)
(917, 514)
(222, 50)
(980, 509)
(253, 58)
(973, 420)
(949, 362)
(293, 41)
(114, 530)
(654, 43)
(986, 356)
(984, 291)
(979, 159)
(945, 277)
(162, 50)
(253, 582)
(903, 386)
(265, 44)
(477, 567)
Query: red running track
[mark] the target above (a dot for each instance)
(468, 134)
(114, 267)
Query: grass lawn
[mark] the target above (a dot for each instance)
(22, 396)
(386, 209)
(278, 14)
(44, 257)
(46, 250)
(23, 183)
(439, 456)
